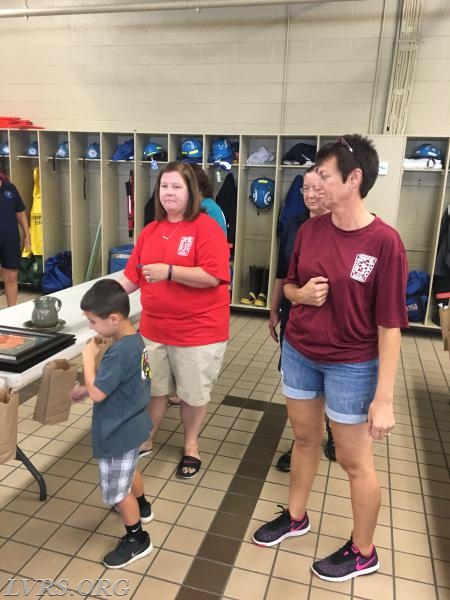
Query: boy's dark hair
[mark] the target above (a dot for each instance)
(106, 297)
(353, 151)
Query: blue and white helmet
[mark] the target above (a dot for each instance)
(153, 151)
(221, 150)
(63, 150)
(262, 193)
(4, 149)
(93, 151)
(32, 149)
(427, 151)
(192, 150)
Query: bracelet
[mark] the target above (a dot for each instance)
(169, 273)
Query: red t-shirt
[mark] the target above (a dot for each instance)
(173, 313)
(367, 271)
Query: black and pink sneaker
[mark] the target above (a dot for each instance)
(279, 529)
(346, 563)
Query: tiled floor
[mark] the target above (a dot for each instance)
(202, 528)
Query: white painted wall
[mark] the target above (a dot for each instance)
(220, 70)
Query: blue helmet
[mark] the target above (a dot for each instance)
(192, 150)
(221, 150)
(63, 150)
(92, 151)
(4, 149)
(32, 149)
(427, 151)
(262, 193)
(154, 151)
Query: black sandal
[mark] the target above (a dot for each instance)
(188, 467)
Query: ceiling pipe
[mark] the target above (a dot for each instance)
(9, 13)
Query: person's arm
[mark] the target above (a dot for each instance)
(274, 316)
(90, 351)
(23, 222)
(381, 411)
(128, 285)
(195, 277)
(314, 292)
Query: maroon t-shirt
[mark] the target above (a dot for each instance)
(367, 271)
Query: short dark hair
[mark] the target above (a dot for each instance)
(187, 173)
(353, 151)
(204, 185)
(104, 298)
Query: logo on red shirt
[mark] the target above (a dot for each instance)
(185, 245)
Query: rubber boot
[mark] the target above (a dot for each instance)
(261, 299)
(255, 274)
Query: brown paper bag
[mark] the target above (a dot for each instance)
(104, 344)
(9, 405)
(444, 318)
(53, 401)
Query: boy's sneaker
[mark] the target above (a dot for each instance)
(127, 551)
(146, 513)
(346, 563)
(279, 529)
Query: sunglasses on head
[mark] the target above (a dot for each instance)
(343, 142)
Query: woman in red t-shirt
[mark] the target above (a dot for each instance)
(181, 266)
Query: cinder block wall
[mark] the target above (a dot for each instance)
(243, 70)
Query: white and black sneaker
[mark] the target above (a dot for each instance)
(127, 551)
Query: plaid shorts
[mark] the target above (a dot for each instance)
(116, 476)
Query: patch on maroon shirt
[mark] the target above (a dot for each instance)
(362, 267)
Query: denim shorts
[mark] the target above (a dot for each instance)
(348, 388)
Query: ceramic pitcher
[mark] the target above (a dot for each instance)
(45, 311)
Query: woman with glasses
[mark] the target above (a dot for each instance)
(340, 354)
(280, 306)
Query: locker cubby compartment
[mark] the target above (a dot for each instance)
(176, 141)
(418, 211)
(288, 142)
(412, 143)
(55, 194)
(85, 186)
(143, 139)
(234, 141)
(252, 144)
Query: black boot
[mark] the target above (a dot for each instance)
(254, 274)
(261, 299)
(330, 449)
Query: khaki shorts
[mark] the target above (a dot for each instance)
(187, 372)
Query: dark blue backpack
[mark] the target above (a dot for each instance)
(417, 288)
(57, 273)
(293, 205)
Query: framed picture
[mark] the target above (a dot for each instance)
(21, 349)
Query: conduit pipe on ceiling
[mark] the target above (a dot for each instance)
(8, 13)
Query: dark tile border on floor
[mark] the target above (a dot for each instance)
(211, 568)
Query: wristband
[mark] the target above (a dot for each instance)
(169, 273)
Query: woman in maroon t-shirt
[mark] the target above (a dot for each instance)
(346, 283)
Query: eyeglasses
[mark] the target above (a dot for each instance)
(308, 190)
